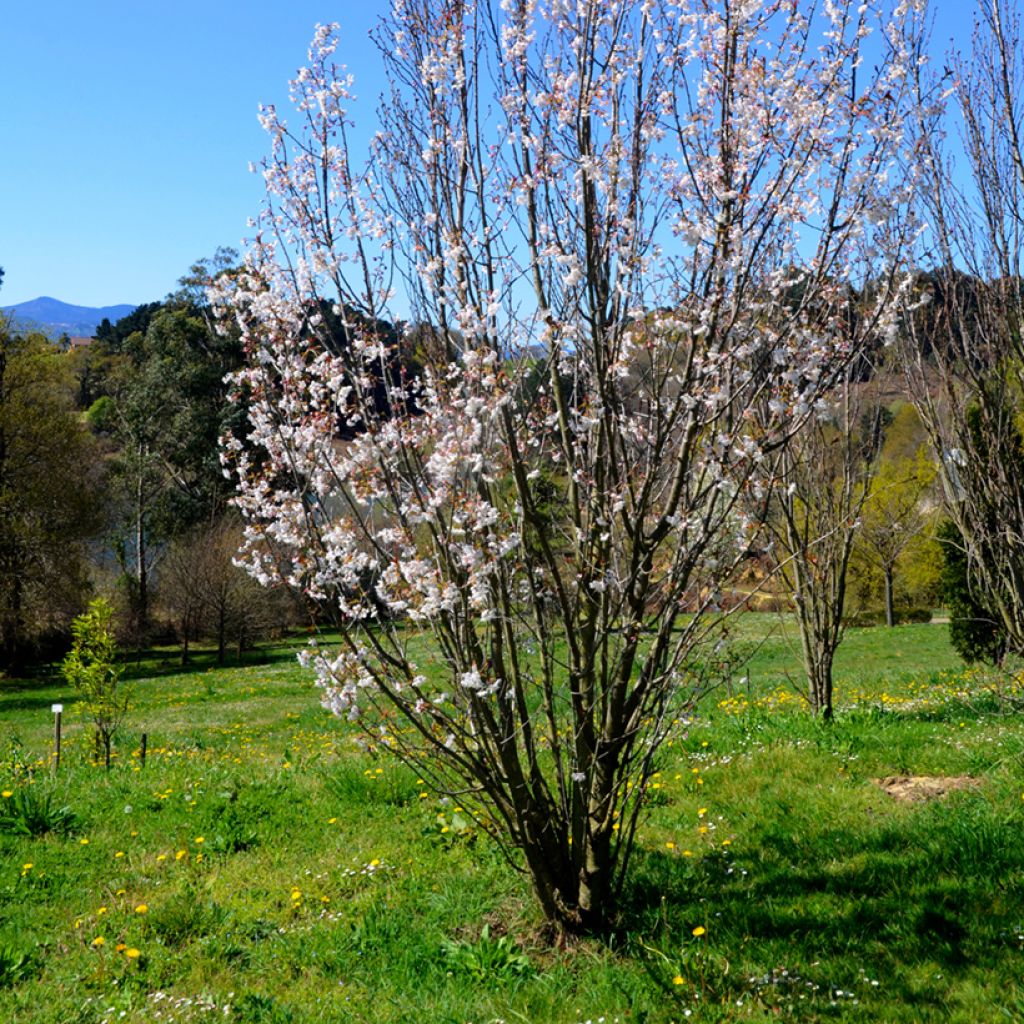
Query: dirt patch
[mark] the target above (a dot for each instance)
(918, 789)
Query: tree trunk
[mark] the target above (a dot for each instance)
(222, 626)
(890, 618)
(141, 577)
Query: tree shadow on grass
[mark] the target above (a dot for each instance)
(894, 902)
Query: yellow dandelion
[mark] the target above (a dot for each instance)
(161, 856)
(180, 854)
(142, 909)
(670, 846)
(83, 842)
(99, 941)
(331, 821)
(699, 931)
(199, 839)
(7, 793)
(121, 947)
(132, 954)
(120, 853)
(27, 867)
(677, 980)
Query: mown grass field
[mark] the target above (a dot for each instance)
(265, 867)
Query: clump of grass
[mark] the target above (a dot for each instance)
(15, 964)
(32, 811)
(488, 959)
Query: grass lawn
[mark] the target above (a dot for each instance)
(265, 866)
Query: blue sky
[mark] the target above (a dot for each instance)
(127, 129)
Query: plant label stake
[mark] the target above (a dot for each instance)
(57, 710)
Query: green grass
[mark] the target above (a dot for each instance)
(291, 874)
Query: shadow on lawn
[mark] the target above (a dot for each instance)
(932, 896)
(43, 685)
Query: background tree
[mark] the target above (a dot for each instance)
(894, 516)
(164, 406)
(609, 188)
(207, 596)
(50, 479)
(963, 347)
(975, 633)
(825, 482)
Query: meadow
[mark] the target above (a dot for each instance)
(265, 865)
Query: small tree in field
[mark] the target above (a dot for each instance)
(91, 668)
(623, 232)
(826, 471)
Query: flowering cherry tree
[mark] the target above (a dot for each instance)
(620, 238)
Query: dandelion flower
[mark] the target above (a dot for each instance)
(699, 931)
(142, 909)
(199, 839)
(132, 954)
(677, 980)
(83, 842)
(7, 793)
(27, 867)
(120, 853)
(99, 941)
(180, 854)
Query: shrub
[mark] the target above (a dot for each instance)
(91, 669)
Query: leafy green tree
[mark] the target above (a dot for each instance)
(91, 668)
(50, 479)
(164, 407)
(975, 632)
(894, 516)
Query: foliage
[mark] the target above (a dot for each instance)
(590, 193)
(50, 478)
(92, 669)
(896, 516)
(976, 634)
(161, 404)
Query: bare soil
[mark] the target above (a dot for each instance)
(917, 789)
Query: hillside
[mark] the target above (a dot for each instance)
(55, 317)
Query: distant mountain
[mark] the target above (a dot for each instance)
(57, 318)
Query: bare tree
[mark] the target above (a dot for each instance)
(208, 596)
(825, 482)
(596, 209)
(963, 346)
